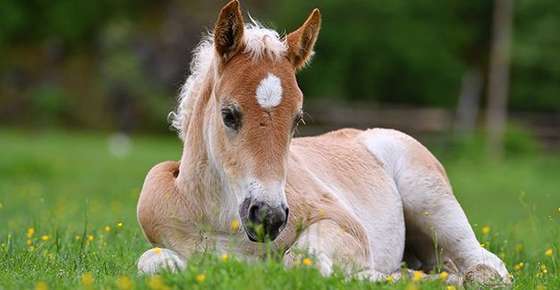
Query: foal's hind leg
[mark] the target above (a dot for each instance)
(430, 208)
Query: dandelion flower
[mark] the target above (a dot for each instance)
(200, 278)
(234, 225)
(45, 237)
(90, 238)
(519, 266)
(124, 283)
(417, 276)
(41, 286)
(156, 283)
(549, 252)
(443, 276)
(77, 237)
(156, 250)
(390, 279)
(225, 257)
(87, 279)
(451, 287)
(107, 229)
(307, 262)
(29, 242)
(120, 225)
(30, 233)
(486, 230)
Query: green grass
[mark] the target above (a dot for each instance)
(69, 187)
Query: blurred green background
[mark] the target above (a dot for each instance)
(118, 65)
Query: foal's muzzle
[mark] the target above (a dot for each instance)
(261, 221)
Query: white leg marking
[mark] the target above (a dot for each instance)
(156, 260)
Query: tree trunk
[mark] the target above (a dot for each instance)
(498, 77)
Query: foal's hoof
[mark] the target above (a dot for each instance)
(483, 277)
(156, 260)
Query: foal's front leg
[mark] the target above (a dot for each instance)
(330, 245)
(158, 259)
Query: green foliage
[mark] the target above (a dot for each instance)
(406, 52)
(70, 187)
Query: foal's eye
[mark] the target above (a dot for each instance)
(231, 117)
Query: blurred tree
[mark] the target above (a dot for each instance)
(498, 79)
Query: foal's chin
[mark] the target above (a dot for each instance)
(253, 235)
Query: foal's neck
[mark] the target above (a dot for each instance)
(199, 180)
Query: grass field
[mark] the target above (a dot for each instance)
(67, 219)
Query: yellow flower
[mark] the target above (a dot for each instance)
(540, 287)
(29, 242)
(486, 230)
(156, 283)
(443, 276)
(156, 250)
(77, 237)
(200, 278)
(549, 252)
(124, 283)
(417, 276)
(45, 237)
(390, 279)
(307, 262)
(90, 238)
(120, 225)
(107, 229)
(41, 286)
(451, 287)
(519, 266)
(225, 257)
(544, 270)
(234, 225)
(30, 232)
(87, 279)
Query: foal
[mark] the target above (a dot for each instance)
(345, 197)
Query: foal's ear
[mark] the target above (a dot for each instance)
(228, 31)
(302, 41)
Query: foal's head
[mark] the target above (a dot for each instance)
(255, 107)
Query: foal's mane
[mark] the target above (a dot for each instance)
(258, 41)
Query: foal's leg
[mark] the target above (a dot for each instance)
(161, 215)
(156, 260)
(431, 210)
(330, 245)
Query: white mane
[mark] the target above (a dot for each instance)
(258, 42)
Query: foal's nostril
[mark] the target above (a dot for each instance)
(257, 213)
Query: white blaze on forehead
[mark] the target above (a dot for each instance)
(269, 92)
